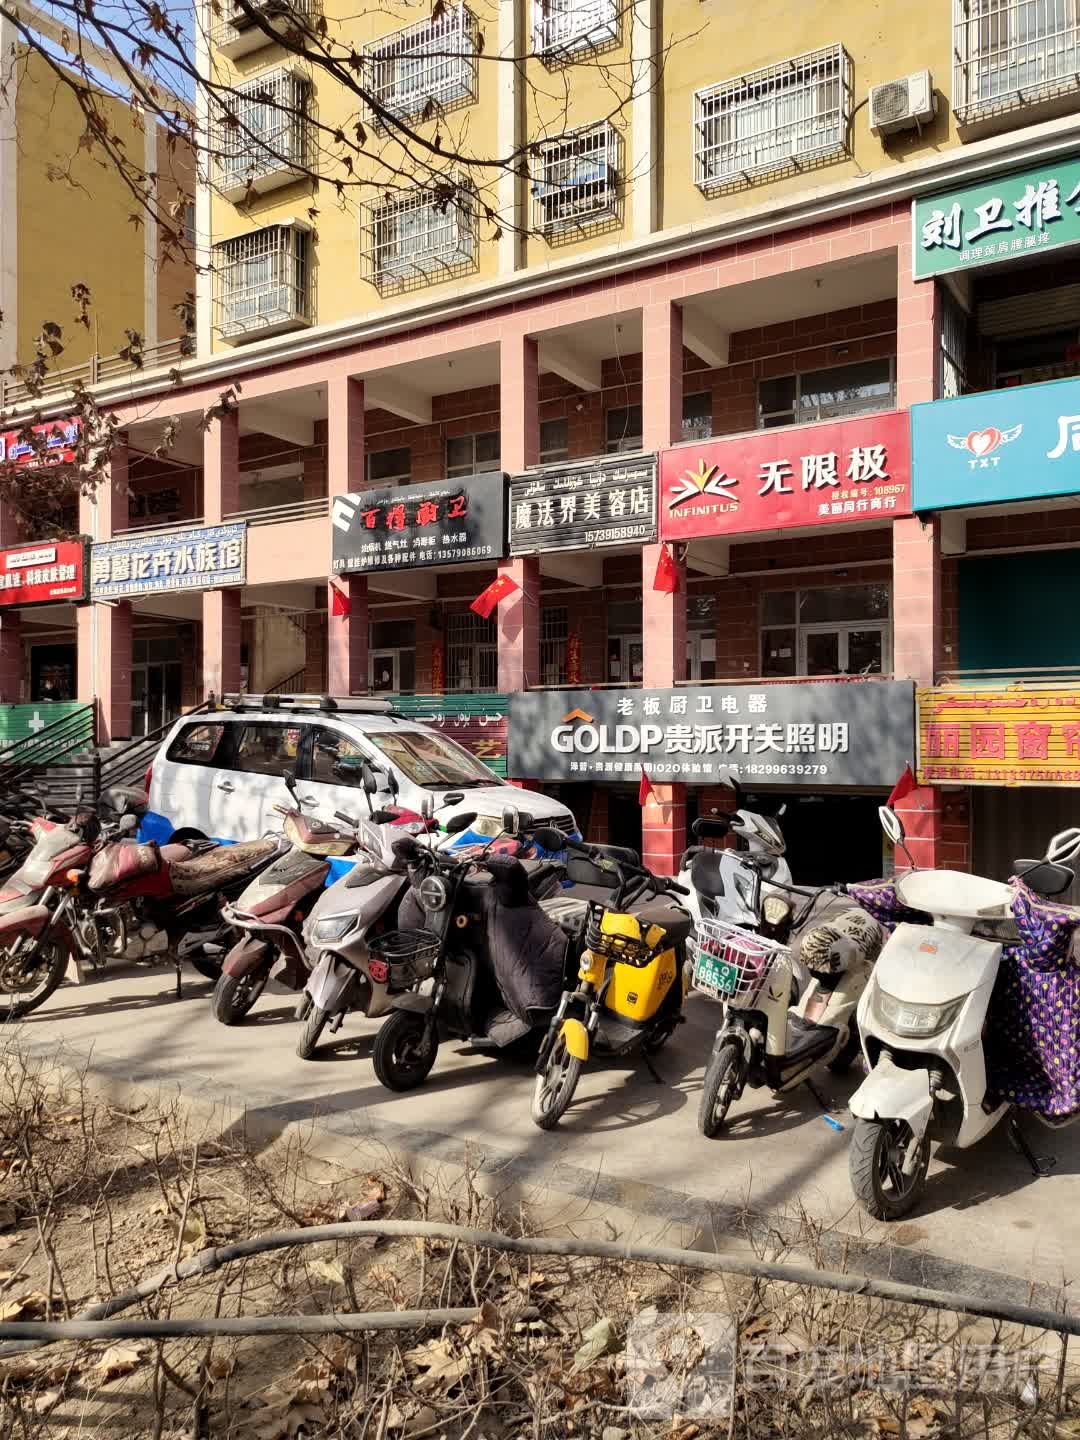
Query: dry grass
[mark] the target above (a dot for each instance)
(93, 1197)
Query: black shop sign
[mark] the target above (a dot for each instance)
(798, 735)
(406, 526)
(575, 507)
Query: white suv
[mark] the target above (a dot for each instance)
(219, 773)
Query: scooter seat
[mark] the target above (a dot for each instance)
(706, 874)
(218, 866)
(676, 922)
(567, 912)
(805, 1040)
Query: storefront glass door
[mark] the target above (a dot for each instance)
(858, 650)
(156, 685)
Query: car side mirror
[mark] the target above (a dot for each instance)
(369, 778)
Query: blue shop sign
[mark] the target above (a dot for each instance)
(1015, 444)
(205, 558)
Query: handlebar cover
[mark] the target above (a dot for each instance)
(407, 850)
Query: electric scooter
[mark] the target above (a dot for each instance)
(923, 1019)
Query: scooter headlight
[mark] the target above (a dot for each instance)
(913, 1021)
(775, 909)
(434, 892)
(332, 928)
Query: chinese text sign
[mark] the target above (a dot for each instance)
(203, 559)
(822, 474)
(420, 525)
(40, 574)
(999, 736)
(569, 507)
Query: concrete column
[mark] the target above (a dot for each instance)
(347, 638)
(347, 635)
(663, 829)
(221, 468)
(662, 374)
(645, 163)
(519, 399)
(103, 643)
(513, 41)
(917, 630)
(221, 629)
(663, 624)
(518, 621)
(918, 334)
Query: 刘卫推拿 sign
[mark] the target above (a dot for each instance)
(859, 732)
(610, 501)
(418, 525)
(999, 735)
(208, 557)
(1016, 215)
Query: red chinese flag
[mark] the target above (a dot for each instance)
(666, 579)
(903, 786)
(498, 590)
(340, 604)
(644, 789)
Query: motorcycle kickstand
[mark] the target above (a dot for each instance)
(179, 962)
(1041, 1165)
(818, 1096)
(652, 1069)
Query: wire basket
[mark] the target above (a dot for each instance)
(402, 958)
(732, 964)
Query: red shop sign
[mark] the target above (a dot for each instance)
(60, 438)
(824, 474)
(39, 574)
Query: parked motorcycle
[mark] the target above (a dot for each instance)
(765, 1039)
(631, 975)
(925, 1016)
(474, 926)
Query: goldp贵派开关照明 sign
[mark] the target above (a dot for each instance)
(999, 735)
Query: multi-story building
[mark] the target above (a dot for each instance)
(659, 377)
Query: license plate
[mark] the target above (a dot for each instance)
(715, 975)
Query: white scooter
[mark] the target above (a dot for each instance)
(736, 886)
(921, 1018)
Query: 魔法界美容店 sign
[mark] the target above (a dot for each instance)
(208, 558)
(858, 469)
(999, 736)
(1015, 444)
(857, 732)
(43, 574)
(1019, 214)
(413, 525)
(570, 507)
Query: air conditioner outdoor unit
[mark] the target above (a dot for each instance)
(902, 104)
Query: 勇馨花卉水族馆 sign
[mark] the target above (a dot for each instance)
(207, 557)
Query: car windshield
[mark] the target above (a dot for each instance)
(429, 759)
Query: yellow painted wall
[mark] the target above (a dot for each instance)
(72, 230)
(712, 41)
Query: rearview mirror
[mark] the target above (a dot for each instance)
(548, 838)
(711, 827)
(1065, 846)
(891, 824)
(457, 823)
(427, 808)
(290, 781)
(510, 820)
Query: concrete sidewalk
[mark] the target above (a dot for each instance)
(987, 1226)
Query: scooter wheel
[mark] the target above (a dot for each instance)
(875, 1161)
(405, 1050)
(314, 1025)
(720, 1087)
(555, 1086)
(234, 995)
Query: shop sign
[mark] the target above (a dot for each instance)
(999, 736)
(476, 722)
(207, 558)
(1025, 212)
(801, 735)
(823, 474)
(574, 507)
(60, 438)
(1014, 444)
(43, 574)
(405, 526)
(19, 722)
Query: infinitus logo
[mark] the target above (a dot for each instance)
(577, 734)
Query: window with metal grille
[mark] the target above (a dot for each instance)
(420, 238)
(952, 380)
(554, 635)
(563, 26)
(472, 657)
(576, 180)
(554, 440)
(267, 133)
(1010, 53)
(263, 281)
(827, 394)
(793, 114)
(432, 61)
(623, 427)
(697, 416)
(472, 454)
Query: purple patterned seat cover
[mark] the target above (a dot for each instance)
(1032, 1040)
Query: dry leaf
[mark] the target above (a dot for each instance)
(271, 1424)
(7, 1241)
(194, 1232)
(220, 1367)
(753, 1329)
(160, 1208)
(328, 1270)
(70, 1117)
(365, 1210)
(17, 1372)
(442, 1368)
(26, 1307)
(600, 1339)
(119, 1360)
(45, 1400)
(7, 1215)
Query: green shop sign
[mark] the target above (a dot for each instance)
(476, 721)
(1016, 214)
(19, 722)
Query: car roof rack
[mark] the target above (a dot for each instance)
(326, 704)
